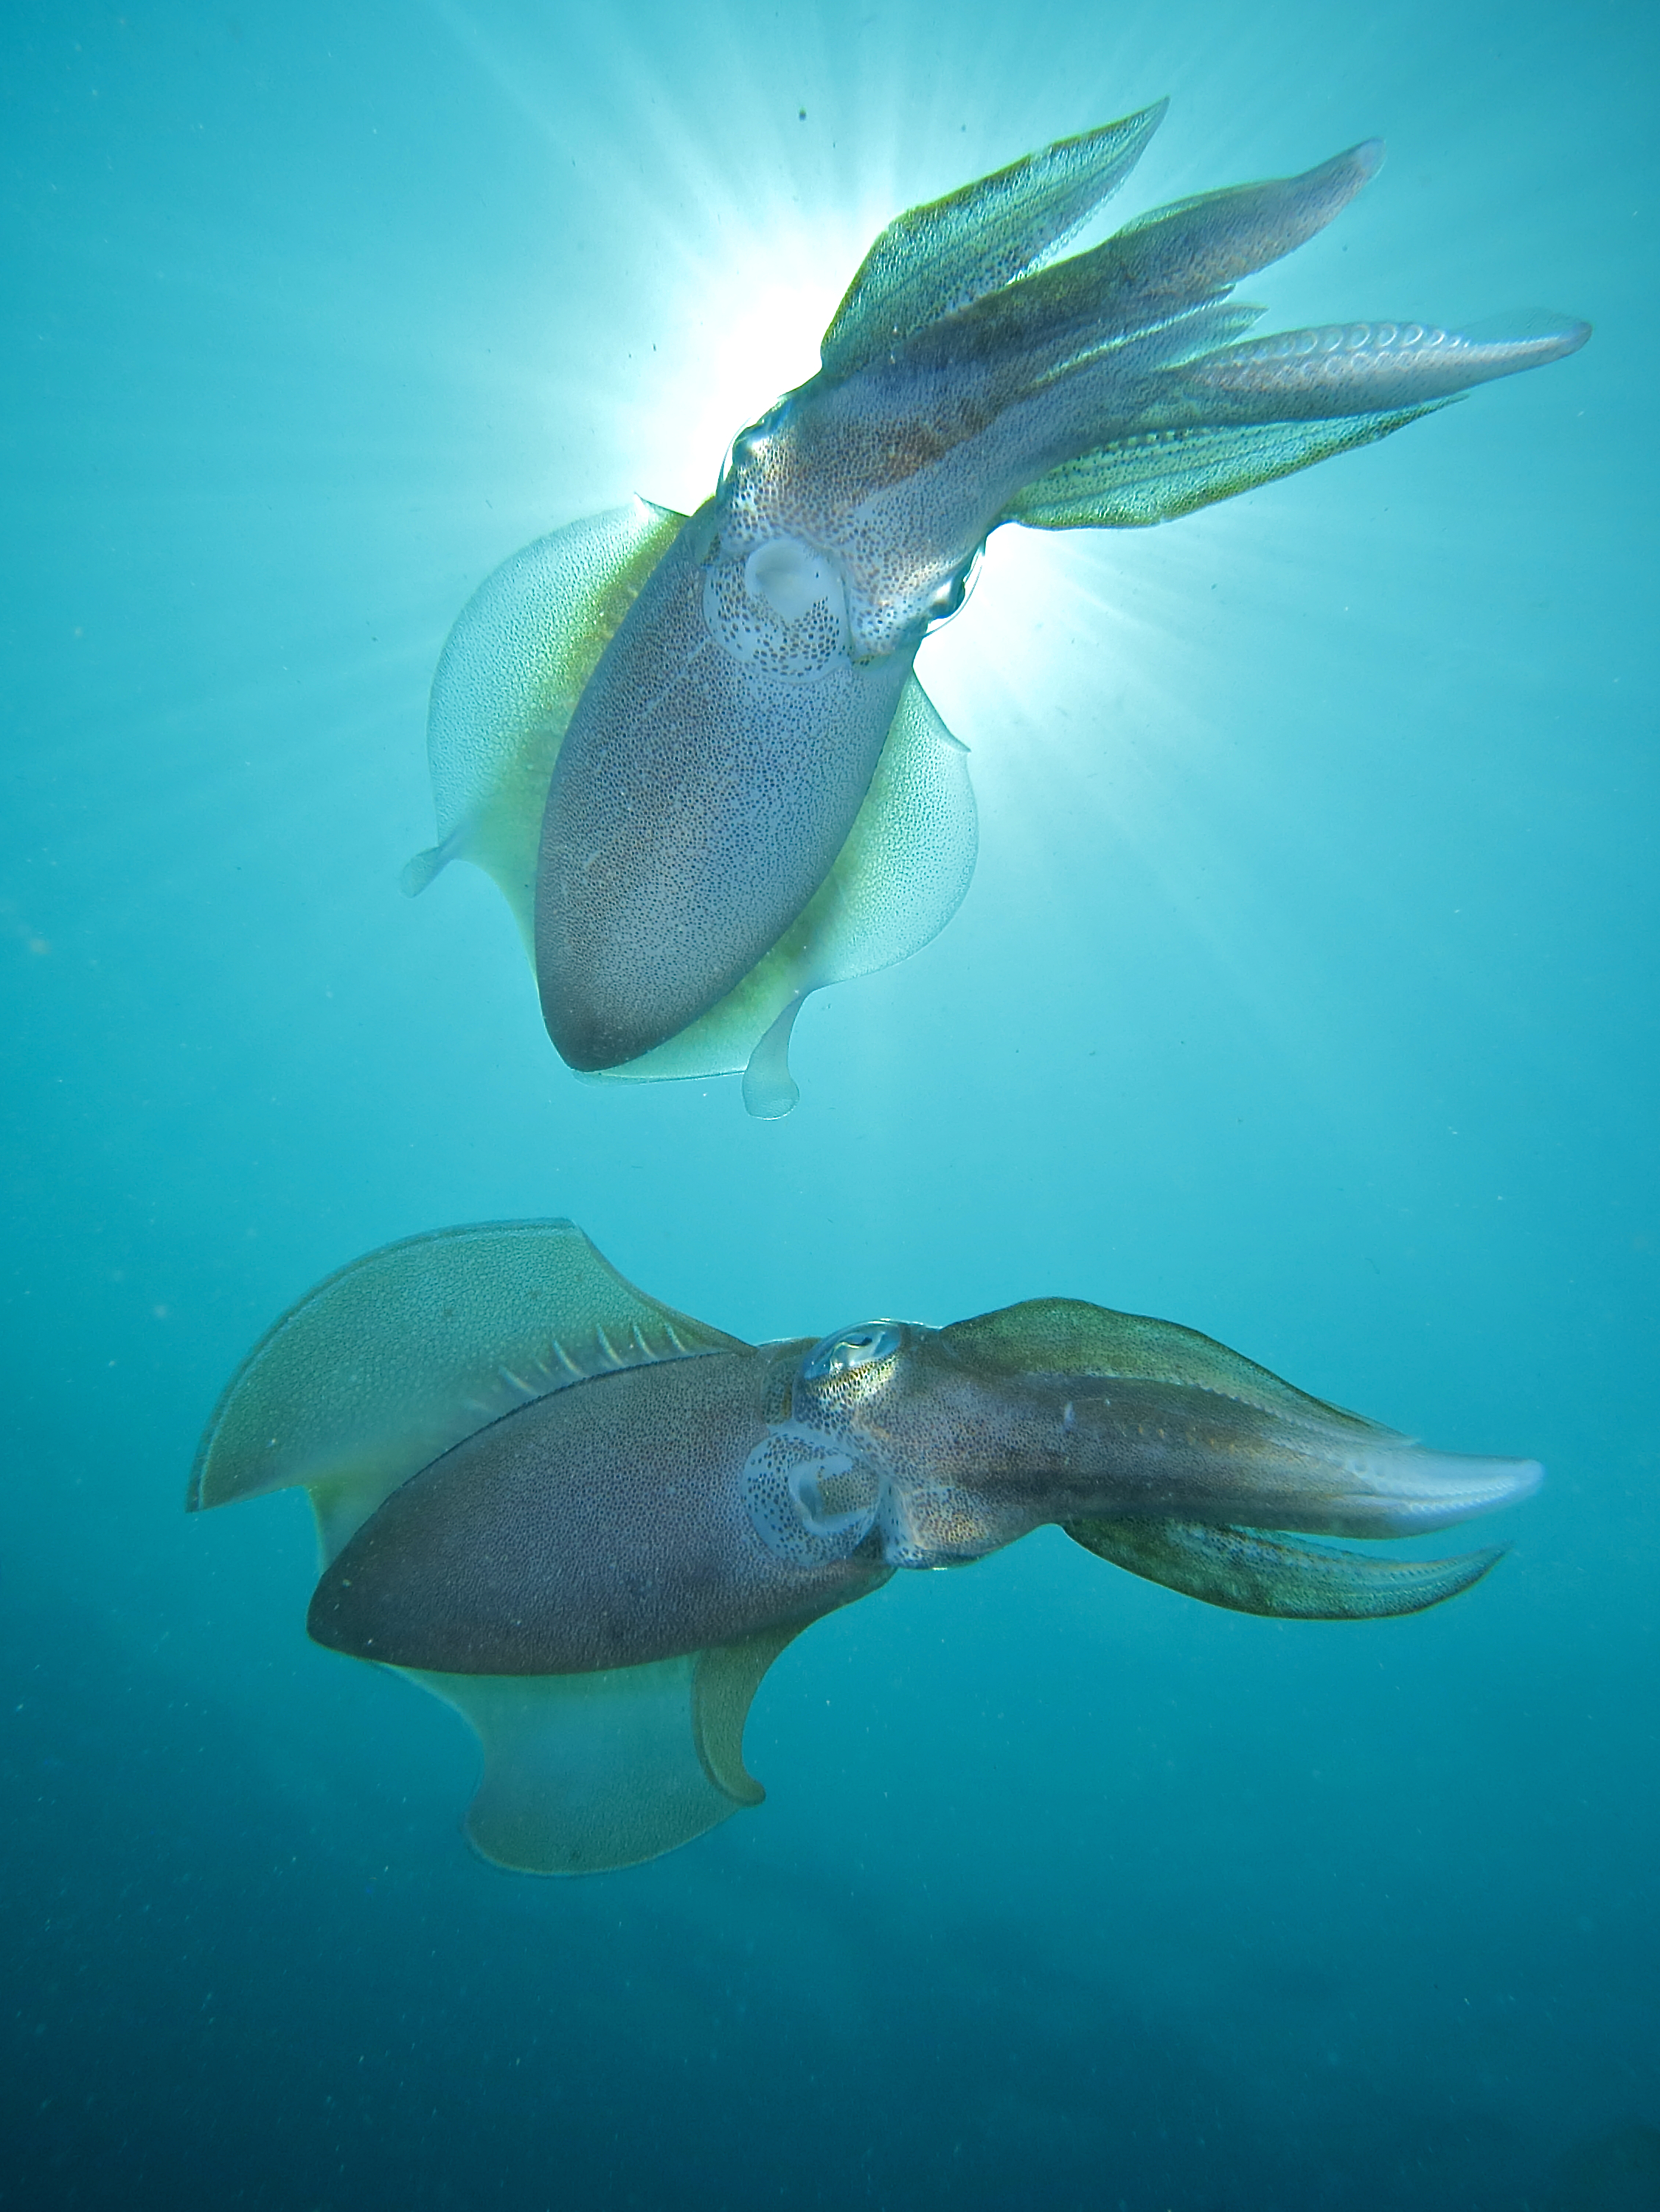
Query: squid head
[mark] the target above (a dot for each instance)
(590, 1523)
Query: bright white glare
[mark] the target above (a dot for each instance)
(755, 339)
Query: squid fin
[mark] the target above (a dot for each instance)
(902, 874)
(391, 1362)
(1067, 1336)
(770, 1090)
(419, 871)
(1285, 1579)
(510, 674)
(585, 1773)
(936, 259)
(1158, 475)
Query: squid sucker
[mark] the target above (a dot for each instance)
(590, 1523)
(690, 750)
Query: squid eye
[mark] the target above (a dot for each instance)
(850, 1349)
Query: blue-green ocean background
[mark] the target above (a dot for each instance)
(1304, 994)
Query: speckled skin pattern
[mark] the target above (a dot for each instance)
(699, 800)
(599, 1527)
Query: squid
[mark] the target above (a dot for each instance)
(690, 750)
(590, 1523)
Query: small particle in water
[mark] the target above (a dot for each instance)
(800, 114)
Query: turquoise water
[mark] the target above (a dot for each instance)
(1303, 995)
